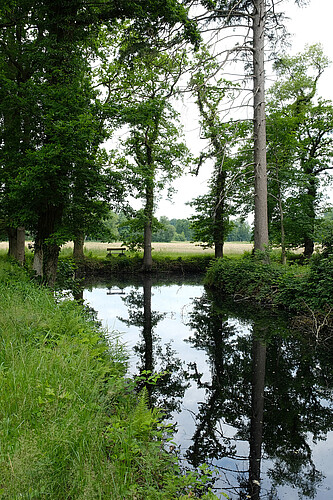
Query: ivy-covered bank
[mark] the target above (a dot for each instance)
(303, 289)
(72, 426)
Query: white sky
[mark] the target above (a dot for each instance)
(307, 25)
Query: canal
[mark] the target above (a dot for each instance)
(248, 395)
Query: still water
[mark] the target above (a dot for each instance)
(248, 394)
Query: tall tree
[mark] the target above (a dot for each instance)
(60, 37)
(256, 20)
(300, 128)
(17, 63)
(153, 151)
(211, 222)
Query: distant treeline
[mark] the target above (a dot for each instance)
(118, 227)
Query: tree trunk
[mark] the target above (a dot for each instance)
(219, 215)
(12, 241)
(16, 238)
(50, 263)
(259, 118)
(147, 257)
(283, 238)
(78, 247)
(20, 245)
(257, 416)
(37, 265)
(147, 237)
(308, 247)
(310, 213)
(46, 261)
(218, 250)
(46, 249)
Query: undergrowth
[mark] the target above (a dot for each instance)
(72, 426)
(127, 264)
(296, 288)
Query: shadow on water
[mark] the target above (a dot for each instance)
(270, 386)
(265, 396)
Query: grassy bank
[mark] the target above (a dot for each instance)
(298, 288)
(72, 425)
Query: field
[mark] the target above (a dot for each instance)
(175, 248)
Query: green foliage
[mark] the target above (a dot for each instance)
(55, 177)
(119, 227)
(131, 230)
(241, 231)
(166, 233)
(211, 222)
(182, 227)
(294, 288)
(153, 153)
(300, 148)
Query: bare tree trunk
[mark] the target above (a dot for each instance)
(147, 257)
(20, 256)
(218, 250)
(50, 263)
(260, 167)
(219, 215)
(12, 241)
(78, 246)
(283, 236)
(308, 247)
(16, 238)
(37, 265)
(46, 250)
(310, 213)
(46, 261)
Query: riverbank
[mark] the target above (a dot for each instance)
(306, 291)
(72, 424)
(132, 265)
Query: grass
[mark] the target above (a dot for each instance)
(72, 426)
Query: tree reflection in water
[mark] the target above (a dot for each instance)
(232, 423)
(155, 358)
(268, 385)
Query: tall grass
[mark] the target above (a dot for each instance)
(71, 425)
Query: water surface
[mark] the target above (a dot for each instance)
(248, 394)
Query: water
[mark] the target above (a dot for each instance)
(218, 359)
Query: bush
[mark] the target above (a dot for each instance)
(296, 288)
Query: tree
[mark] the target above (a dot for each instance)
(182, 227)
(211, 223)
(54, 129)
(153, 153)
(167, 231)
(58, 40)
(17, 62)
(252, 13)
(254, 20)
(300, 149)
(241, 231)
